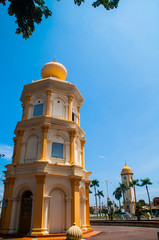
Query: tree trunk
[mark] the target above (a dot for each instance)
(135, 194)
(99, 207)
(96, 200)
(124, 201)
(119, 204)
(149, 198)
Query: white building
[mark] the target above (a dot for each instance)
(129, 195)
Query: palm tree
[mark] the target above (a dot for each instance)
(146, 182)
(123, 188)
(133, 183)
(95, 184)
(118, 194)
(100, 194)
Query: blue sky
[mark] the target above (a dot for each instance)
(113, 58)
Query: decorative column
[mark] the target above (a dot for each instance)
(6, 210)
(45, 129)
(27, 107)
(78, 109)
(72, 147)
(19, 145)
(75, 206)
(83, 140)
(87, 206)
(70, 99)
(48, 97)
(15, 146)
(39, 206)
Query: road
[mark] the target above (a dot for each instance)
(124, 233)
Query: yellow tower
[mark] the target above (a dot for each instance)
(129, 195)
(47, 186)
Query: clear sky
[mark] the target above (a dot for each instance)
(112, 57)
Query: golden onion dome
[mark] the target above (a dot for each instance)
(54, 69)
(74, 233)
(126, 168)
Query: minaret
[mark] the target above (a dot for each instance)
(47, 186)
(129, 196)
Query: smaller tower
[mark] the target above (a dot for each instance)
(129, 196)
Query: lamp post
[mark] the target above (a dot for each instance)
(107, 181)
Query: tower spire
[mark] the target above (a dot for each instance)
(55, 56)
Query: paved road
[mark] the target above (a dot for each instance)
(124, 233)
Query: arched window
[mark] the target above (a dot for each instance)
(59, 108)
(32, 147)
(38, 108)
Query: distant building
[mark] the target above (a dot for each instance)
(156, 201)
(129, 195)
(46, 186)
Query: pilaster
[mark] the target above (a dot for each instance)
(70, 99)
(82, 152)
(44, 137)
(78, 109)
(27, 107)
(87, 206)
(72, 146)
(75, 206)
(19, 145)
(14, 152)
(6, 210)
(39, 206)
(48, 97)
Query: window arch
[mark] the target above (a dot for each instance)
(59, 108)
(31, 148)
(38, 108)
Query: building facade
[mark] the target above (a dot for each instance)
(47, 186)
(129, 195)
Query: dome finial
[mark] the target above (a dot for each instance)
(55, 56)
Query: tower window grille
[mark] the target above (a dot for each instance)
(57, 150)
(38, 110)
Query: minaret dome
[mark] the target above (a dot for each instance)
(126, 169)
(54, 69)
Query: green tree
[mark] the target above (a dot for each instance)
(133, 183)
(95, 184)
(118, 194)
(100, 194)
(110, 203)
(29, 12)
(138, 211)
(91, 210)
(142, 202)
(145, 182)
(123, 188)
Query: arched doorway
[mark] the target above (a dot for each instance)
(57, 212)
(25, 212)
